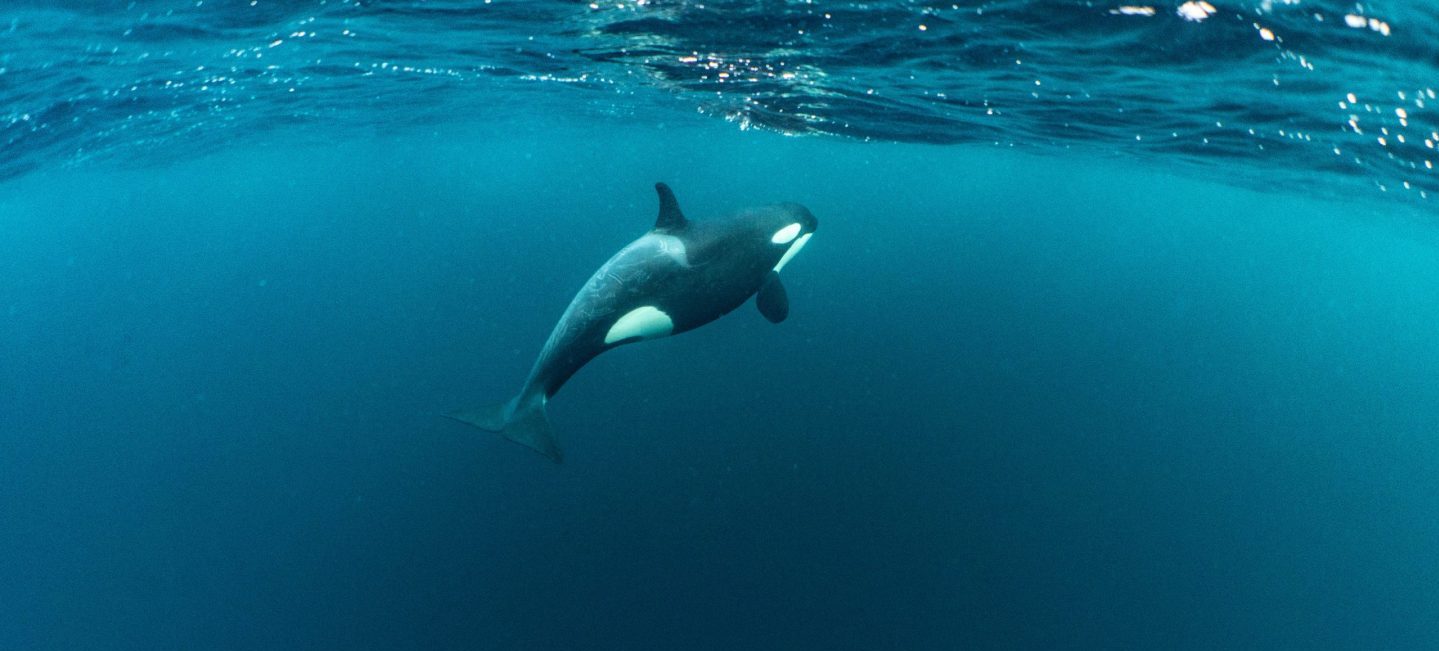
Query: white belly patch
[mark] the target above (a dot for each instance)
(793, 250)
(646, 322)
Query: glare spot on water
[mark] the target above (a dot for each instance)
(1133, 10)
(1196, 11)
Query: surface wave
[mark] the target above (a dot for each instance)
(1311, 94)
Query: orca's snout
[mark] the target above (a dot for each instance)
(795, 234)
(802, 216)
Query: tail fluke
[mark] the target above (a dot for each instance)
(521, 421)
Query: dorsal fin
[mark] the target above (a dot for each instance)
(670, 216)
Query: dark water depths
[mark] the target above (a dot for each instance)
(1085, 391)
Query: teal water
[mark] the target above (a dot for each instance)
(1091, 395)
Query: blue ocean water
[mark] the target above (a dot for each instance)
(1118, 330)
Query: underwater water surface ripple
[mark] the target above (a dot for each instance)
(1320, 94)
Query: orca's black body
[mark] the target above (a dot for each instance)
(677, 277)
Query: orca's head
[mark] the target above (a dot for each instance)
(786, 228)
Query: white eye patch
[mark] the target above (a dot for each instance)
(786, 235)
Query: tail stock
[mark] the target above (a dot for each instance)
(520, 420)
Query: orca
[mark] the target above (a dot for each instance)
(679, 276)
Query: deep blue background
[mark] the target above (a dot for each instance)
(1050, 402)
